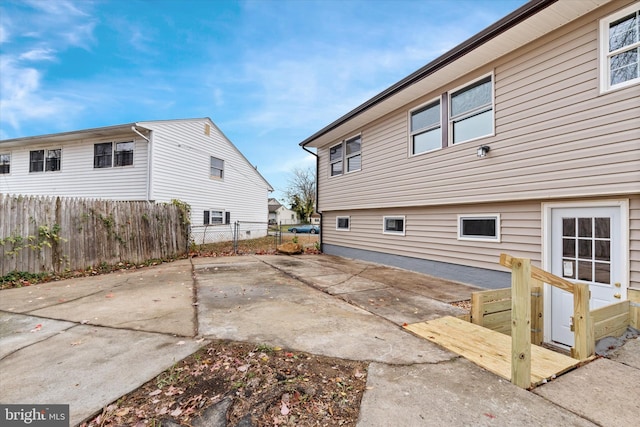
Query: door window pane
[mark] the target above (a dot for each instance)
(584, 248)
(584, 270)
(569, 268)
(584, 227)
(603, 228)
(603, 250)
(603, 273)
(569, 227)
(569, 248)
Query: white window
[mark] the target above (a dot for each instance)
(393, 225)
(45, 160)
(620, 48)
(471, 111)
(216, 217)
(347, 152)
(108, 154)
(426, 132)
(479, 227)
(5, 163)
(342, 223)
(217, 168)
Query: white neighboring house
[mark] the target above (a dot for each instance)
(280, 214)
(188, 159)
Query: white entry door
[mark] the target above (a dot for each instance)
(587, 245)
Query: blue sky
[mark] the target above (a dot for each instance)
(269, 73)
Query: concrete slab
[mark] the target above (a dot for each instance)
(400, 306)
(603, 391)
(266, 306)
(328, 281)
(454, 393)
(88, 367)
(355, 284)
(629, 354)
(130, 300)
(421, 284)
(18, 331)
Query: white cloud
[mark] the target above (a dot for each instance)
(4, 34)
(38, 54)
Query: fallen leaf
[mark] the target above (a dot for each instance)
(37, 328)
(176, 412)
(155, 392)
(284, 409)
(180, 343)
(109, 295)
(73, 344)
(490, 415)
(122, 412)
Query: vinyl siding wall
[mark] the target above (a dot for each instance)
(77, 177)
(555, 136)
(181, 170)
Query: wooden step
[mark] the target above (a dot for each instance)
(489, 349)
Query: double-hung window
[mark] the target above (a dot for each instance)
(108, 154)
(5, 163)
(426, 132)
(45, 160)
(348, 153)
(620, 48)
(216, 217)
(471, 111)
(217, 168)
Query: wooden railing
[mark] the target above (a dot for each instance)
(522, 274)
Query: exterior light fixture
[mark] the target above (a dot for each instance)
(483, 150)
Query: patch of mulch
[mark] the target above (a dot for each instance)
(465, 304)
(269, 385)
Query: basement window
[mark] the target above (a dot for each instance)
(342, 223)
(393, 225)
(479, 227)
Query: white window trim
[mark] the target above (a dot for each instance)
(395, 233)
(343, 229)
(603, 54)
(224, 214)
(216, 177)
(493, 110)
(10, 158)
(437, 99)
(495, 216)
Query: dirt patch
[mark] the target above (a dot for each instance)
(268, 386)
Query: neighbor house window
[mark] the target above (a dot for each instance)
(53, 159)
(123, 155)
(479, 227)
(109, 154)
(620, 48)
(426, 132)
(217, 168)
(347, 152)
(216, 217)
(335, 159)
(393, 225)
(471, 111)
(342, 223)
(44, 160)
(5, 163)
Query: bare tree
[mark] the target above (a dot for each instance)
(301, 192)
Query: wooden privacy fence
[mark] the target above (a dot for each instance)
(54, 234)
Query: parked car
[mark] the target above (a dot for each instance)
(306, 228)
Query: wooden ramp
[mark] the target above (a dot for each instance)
(490, 349)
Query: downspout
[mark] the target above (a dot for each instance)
(133, 128)
(317, 190)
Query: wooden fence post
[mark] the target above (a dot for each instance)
(584, 345)
(521, 322)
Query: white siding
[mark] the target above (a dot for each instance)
(181, 154)
(77, 176)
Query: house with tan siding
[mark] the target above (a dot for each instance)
(524, 139)
(186, 159)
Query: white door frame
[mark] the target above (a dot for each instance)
(623, 204)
